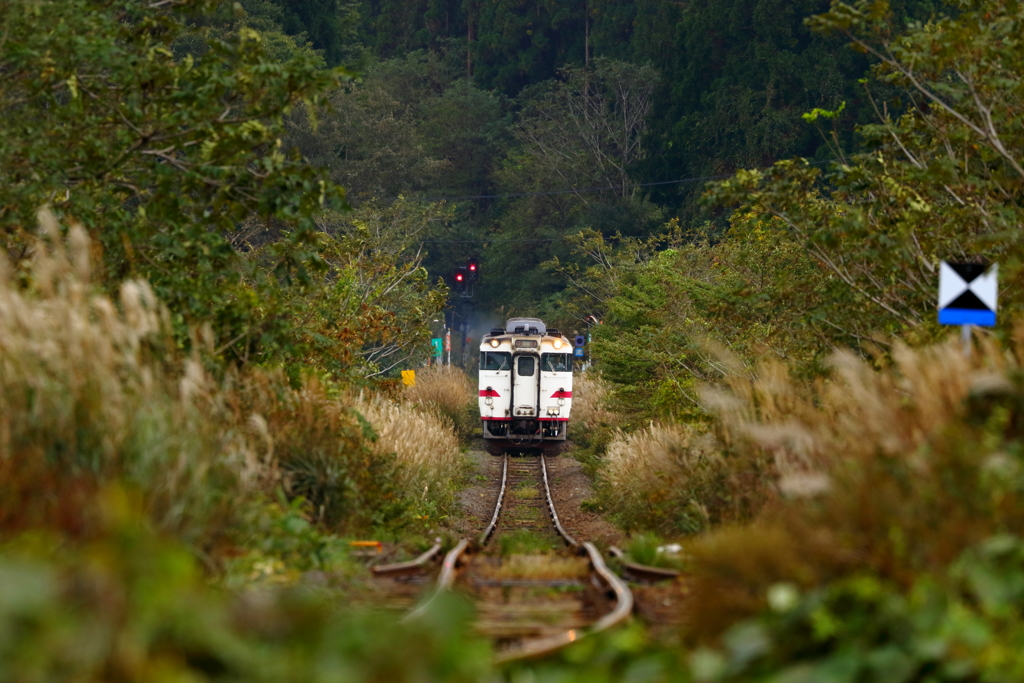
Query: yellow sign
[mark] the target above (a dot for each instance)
(409, 378)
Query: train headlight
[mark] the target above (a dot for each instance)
(558, 343)
(489, 401)
(494, 343)
(561, 401)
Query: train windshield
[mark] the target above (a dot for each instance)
(556, 362)
(495, 360)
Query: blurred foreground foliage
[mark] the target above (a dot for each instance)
(131, 605)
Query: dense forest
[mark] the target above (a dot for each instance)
(227, 227)
(537, 121)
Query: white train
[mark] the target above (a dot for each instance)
(525, 387)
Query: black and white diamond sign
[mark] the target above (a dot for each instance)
(967, 294)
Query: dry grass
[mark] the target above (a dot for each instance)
(91, 389)
(549, 567)
(94, 390)
(589, 405)
(322, 450)
(859, 414)
(893, 473)
(666, 477)
(424, 443)
(449, 393)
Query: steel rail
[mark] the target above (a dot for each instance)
(486, 535)
(642, 571)
(551, 506)
(623, 596)
(538, 647)
(411, 566)
(445, 580)
(453, 560)
(542, 647)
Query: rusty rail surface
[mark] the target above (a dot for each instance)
(486, 535)
(642, 571)
(445, 580)
(411, 566)
(551, 506)
(623, 596)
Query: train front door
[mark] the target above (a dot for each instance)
(526, 382)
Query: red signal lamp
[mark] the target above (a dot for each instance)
(459, 279)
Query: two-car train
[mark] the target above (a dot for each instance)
(525, 387)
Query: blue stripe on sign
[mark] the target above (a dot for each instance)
(967, 316)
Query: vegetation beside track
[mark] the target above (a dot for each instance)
(162, 517)
(846, 485)
(178, 485)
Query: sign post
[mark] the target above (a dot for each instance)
(968, 296)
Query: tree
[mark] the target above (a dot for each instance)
(369, 311)
(736, 77)
(587, 129)
(676, 309)
(516, 44)
(160, 156)
(574, 136)
(411, 125)
(331, 26)
(941, 181)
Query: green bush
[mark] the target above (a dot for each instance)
(131, 605)
(964, 624)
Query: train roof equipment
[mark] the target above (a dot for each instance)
(528, 326)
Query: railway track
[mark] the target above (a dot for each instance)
(537, 589)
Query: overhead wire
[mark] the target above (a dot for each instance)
(603, 188)
(517, 195)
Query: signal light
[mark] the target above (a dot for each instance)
(472, 268)
(459, 278)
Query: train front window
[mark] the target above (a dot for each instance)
(556, 362)
(527, 365)
(495, 360)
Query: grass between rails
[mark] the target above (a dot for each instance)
(525, 542)
(528, 565)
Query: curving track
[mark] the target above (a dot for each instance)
(532, 604)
